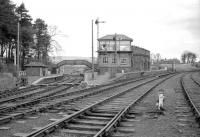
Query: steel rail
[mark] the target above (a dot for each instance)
(20, 115)
(21, 90)
(189, 99)
(105, 131)
(24, 113)
(15, 91)
(198, 83)
(53, 126)
(41, 98)
(18, 91)
(29, 94)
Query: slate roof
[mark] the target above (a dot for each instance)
(120, 37)
(35, 64)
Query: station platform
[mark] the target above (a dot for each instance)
(33, 80)
(98, 79)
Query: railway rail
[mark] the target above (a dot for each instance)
(17, 92)
(99, 115)
(63, 98)
(123, 124)
(41, 93)
(191, 88)
(41, 96)
(72, 102)
(98, 112)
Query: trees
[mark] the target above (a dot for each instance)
(188, 57)
(155, 58)
(10, 15)
(42, 44)
(26, 30)
(8, 29)
(183, 58)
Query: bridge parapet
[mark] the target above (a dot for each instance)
(76, 62)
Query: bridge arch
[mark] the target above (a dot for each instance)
(76, 62)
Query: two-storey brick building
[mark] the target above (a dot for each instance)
(115, 53)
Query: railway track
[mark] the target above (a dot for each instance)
(96, 116)
(191, 88)
(68, 103)
(7, 93)
(34, 97)
(181, 117)
(38, 93)
(15, 98)
(186, 112)
(47, 102)
(26, 90)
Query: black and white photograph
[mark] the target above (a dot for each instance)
(99, 68)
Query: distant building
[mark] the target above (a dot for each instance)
(116, 54)
(170, 61)
(36, 69)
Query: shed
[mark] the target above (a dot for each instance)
(36, 69)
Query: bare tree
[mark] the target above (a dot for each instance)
(183, 58)
(188, 57)
(55, 33)
(158, 57)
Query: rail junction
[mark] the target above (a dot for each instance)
(118, 109)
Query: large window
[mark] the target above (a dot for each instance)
(114, 60)
(112, 45)
(105, 59)
(124, 61)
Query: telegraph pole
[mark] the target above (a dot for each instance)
(92, 53)
(18, 43)
(116, 50)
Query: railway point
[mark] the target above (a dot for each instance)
(134, 72)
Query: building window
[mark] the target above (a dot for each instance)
(114, 60)
(105, 59)
(124, 61)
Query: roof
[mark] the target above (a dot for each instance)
(140, 48)
(35, 64)
(119, 37)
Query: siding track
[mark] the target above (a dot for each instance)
(96, 117)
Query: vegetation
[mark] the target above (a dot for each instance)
(188, 57)
(35, 39)
(155, 58)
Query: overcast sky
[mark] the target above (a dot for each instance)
(168, 27)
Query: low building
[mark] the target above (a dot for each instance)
(36, 69)
(170, 61)
(116, 54)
